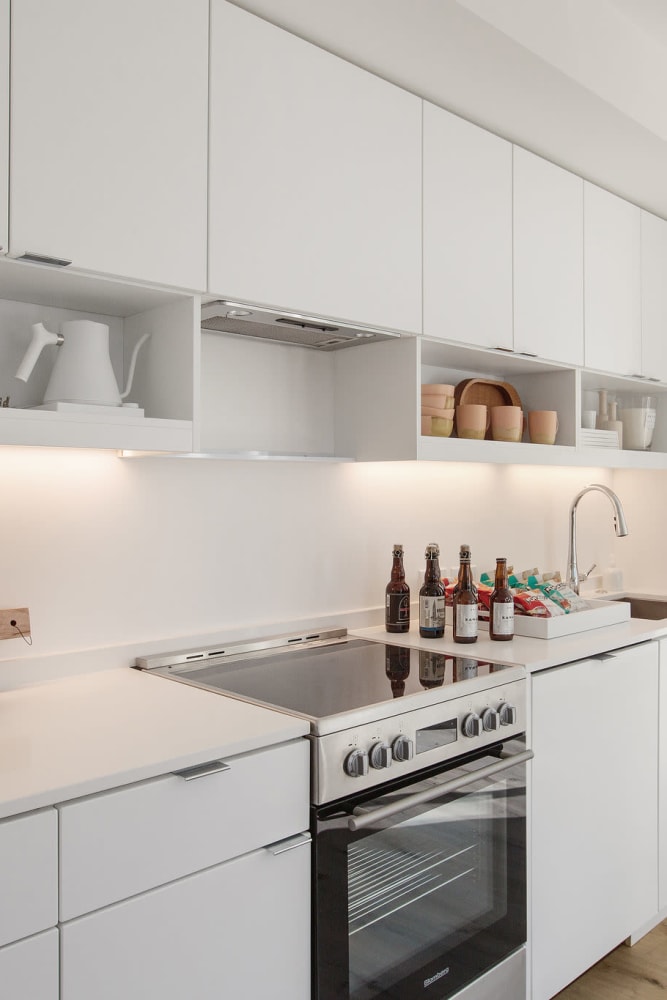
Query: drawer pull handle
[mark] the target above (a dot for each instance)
(42, 258)
(282, 846)
(201, 770)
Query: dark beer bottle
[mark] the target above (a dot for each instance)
(465, 602)
(397, 596)
(432, 597)
(432, 668)
(501, 618)
(397, 668)
(464, 552)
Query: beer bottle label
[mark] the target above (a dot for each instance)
(431, 611)
(398, 608)
(503, 619)
(466, 620)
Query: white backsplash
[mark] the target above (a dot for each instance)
(108, 551)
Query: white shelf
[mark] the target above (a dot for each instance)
(72, 430)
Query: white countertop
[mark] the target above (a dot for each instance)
(87, 733)
(533, 654)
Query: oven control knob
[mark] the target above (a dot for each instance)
(472, 725)
(380, 755)
(356, 764)
(507, 714)
(403, 748)
(490, 720)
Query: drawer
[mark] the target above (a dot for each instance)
(29, 968)
(237, 931)
(28, 874)
(119, 843)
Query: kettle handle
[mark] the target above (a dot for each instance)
(133, 364)
(41, 338)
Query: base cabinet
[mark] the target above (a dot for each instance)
(662, 783)
(241, 930)
(594, 811)
(29, 968)
(195, 884)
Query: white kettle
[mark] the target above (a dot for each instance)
(82, 372)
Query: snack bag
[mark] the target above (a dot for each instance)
(564, 597)
(531, 602)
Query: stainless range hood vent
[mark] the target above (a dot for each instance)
(246, 320)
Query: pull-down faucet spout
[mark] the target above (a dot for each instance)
(574, 578)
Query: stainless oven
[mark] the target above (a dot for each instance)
(418, 806)
(420, 887)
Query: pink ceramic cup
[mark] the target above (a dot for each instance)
(506, 423)
(543, 426)
(472, 420)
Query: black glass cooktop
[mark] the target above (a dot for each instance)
(322, 681)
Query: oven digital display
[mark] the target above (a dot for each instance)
(440, 735)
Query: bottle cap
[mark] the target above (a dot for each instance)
(432, 549)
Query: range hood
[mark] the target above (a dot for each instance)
(285, 327)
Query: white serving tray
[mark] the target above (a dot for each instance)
(600, 614)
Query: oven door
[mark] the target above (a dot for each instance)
(420, 889)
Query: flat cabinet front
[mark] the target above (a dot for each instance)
(28, 874)
(612, 284)
(315, 179)
(109, 136)
(240, 930)
(594, 811)
(548, 260)
(654, 296)
(29, 968)
(662, 787)
(467, 232)
(4, 125)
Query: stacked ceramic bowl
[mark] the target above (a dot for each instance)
(437, 410)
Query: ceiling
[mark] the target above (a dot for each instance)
(581, 82)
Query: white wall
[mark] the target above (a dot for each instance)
(111, 552)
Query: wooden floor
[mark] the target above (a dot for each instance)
(638, 973)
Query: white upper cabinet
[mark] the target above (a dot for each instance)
(4, 125)
(548, 260)
(467, 232)
(654, 296)
(109, 136)
(315, 179)
(612, 283)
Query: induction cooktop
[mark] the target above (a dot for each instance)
(327, 674)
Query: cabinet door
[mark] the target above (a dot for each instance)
(467, 232)
(4, 125)
(241, 931)
(654, 296)
(594, 811)
(662, 789)
(548, 260)
(315, 179)
(108, 136)
(612, 293)
(29, 968)
(28, 874)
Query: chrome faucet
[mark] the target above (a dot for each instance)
(574, 578)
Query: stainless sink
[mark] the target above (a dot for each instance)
(653, 608)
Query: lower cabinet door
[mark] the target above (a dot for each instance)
(29, 968)
(240, 930)
(594, 811)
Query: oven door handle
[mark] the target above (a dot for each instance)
(364, 818)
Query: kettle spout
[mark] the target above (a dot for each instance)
(41, 338)
(133, 364)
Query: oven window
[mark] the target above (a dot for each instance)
(425, 902)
